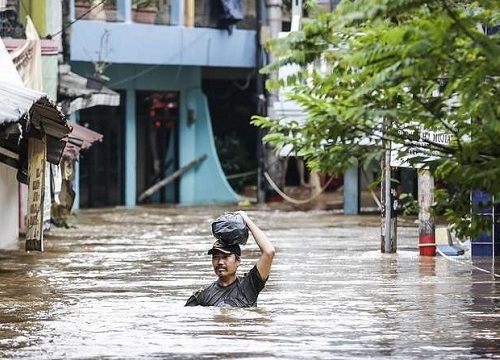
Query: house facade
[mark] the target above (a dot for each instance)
(187, 86)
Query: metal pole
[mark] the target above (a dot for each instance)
(494, 241)
(493, 235)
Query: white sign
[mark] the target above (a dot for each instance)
(401, 154)
(37, 152)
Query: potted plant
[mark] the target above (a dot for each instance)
(144, 11)
(97, 79)
(96, 10)
(110, 10)
(82, 9)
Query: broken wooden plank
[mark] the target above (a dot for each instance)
(150, 191)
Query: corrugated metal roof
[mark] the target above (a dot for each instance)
(16, 101)
(76, 96)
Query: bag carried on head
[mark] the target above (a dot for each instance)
(230, 228)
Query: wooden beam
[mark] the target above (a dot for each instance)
(150, 191)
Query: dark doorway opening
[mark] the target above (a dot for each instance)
(232, 103)
(102, 166)
(157, 143)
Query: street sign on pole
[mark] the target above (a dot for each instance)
(427, 147)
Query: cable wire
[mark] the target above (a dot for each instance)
(461, 263)
(50, 36)
(292, 200)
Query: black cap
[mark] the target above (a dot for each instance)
(226, 249)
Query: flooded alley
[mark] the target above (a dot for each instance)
(114, 287)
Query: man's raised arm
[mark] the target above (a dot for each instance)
(266, 247)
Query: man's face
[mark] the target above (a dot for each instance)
(225, 265)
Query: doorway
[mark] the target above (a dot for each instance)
(102, 166)
(157, 143)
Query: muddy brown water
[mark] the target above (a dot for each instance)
(114, 286)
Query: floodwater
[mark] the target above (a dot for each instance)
(114, 287)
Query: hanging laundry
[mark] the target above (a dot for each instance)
(227, 13)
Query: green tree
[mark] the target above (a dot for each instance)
(375, 70)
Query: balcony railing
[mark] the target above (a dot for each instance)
(197, 13)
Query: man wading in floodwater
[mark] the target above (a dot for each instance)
(229, 289)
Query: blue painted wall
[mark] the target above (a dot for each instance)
(130, 43)
(351, 191)
(202, 186)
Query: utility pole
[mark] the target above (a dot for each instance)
(261, 109)
(274, 20)
(426, 226)
(388, 239)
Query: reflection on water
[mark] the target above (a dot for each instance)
(115, 286)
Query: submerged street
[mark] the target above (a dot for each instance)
(114, 287)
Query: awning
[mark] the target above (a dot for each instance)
(16, 101)
(80, 138)
(19, 104)
(74, 94)
(25, 112)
